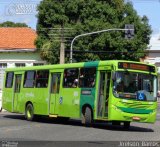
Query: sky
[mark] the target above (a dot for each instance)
(25, 10)
(151, 9)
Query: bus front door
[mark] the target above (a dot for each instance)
(54, 91)
(103, 97)
(17, 87)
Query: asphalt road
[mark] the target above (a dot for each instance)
(14, 127)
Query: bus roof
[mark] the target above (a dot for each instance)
(73, 65)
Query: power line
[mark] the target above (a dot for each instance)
(94, 52)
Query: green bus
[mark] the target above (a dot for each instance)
(115, 90)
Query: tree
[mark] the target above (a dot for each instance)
(69, 18)
(12, 24)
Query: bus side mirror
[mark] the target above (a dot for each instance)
(113, 76)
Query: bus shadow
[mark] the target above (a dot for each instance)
(109, 126)
(14, 116)
(45, 120)
(73, 122)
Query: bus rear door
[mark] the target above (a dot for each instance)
(17, 88)
(54, 93)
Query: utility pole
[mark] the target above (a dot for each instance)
(62, 47)
(71, 49)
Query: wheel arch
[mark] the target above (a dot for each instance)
(28, 102)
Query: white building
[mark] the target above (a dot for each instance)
(17, 49)
(154, 55)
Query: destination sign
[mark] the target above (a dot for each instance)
(136, 66)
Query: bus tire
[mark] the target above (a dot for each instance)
(29, 112)
(126, 125)
(87, 117)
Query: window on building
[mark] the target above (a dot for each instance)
(3, 65)
(19, 64)
(9, 80)
(87, 77)
(29, 79)
(38, 64)
(42, 78)
(70, 78)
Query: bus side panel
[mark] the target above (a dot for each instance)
(41, 101)
(7, 98)
(68, 102)
(87, 97)
(21, 102)
(27, 95)
(38, 97)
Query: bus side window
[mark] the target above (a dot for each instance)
(9, 80)
(87, 77)
(29, 79)
(70, 78)
(42, 78)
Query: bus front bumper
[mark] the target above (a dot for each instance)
(131, 114)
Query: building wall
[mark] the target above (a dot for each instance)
(154, 58)
(20, 56)
(154, 55)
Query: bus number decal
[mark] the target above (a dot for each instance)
(29, 94)
(86, 92)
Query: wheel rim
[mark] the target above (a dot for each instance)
(29, 112)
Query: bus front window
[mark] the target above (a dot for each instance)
(137, 86)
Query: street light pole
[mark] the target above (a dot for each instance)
(71, 49)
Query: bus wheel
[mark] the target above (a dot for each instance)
(29, 113)
(87, 117)
(127, 125)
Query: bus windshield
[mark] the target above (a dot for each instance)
(136, 86)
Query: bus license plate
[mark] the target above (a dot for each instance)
(136, 118)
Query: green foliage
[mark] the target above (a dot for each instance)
(12, 24)
(84, 16)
